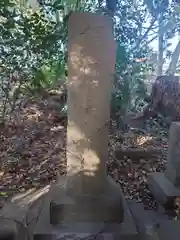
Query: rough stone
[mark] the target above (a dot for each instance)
(89, 202)
(107, 230)
(89, 194)
(8, 229)
(162, 189)
(173, 164)
(95, 209)
(169, 229)
(166, 186)
(147, 221)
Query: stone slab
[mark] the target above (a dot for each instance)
(91, 66)
(146, 220)
(173, 162)
(45, 231)
(161, 188)
(8, 229)
(19, 211)
(103, 207)
(169, 229)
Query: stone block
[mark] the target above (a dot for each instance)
(8, 229)
(90, 196)
(146, 220)
(162, 189)
(173, 163)
(99, 208)
(169, 229)
(102, 230)
(91, 65)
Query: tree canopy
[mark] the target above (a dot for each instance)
(33, 45)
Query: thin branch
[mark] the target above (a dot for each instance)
(147, 31)
(152, 40)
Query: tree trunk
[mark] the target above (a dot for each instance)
(160, 48)
(164, 99)
(175, 56)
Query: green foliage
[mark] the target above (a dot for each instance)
(129, 83)
(30, 45)
(46, 77)
(33, 48)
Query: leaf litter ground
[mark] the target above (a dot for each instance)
(33, 147)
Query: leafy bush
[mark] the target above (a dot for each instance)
(33, 50)
(30, 51)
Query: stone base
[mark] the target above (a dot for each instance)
(103, 207)
(86, 230)
(102, 228)
(162, 189)
(146, 220)
(8, 229)
(169, 230)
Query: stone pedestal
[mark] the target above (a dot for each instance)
(102, 207)
(89, 198)
(166, 186)
(76, 229)
(8, 229)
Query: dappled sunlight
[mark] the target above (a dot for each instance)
(33, 114)
(79, 63)
(74, 132)
(79, 60)
(78, 147)
(90, 70)
(32, 153)
(82, 65)
(91, 162)
(21, 196)
(36, 195)
(143, 139)
(57, 128)
(30, 196)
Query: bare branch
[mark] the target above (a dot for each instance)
(146, 33)
(151, 40)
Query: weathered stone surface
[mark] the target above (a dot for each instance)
(166, 186)
(92, 56)
(8, 229)
(147, 221)
(134, 153)
(91, 64)
(168, 230)
(98, 208)
(90, 202)
(44, 230)
(162, 189)
(173, 165)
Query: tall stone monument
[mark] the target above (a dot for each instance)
(166, 186)
(90, 198)
(91, 65)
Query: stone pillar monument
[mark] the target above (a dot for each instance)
(89, 198)
(166, 186)
(91, 65)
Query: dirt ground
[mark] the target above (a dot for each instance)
(33, 146)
